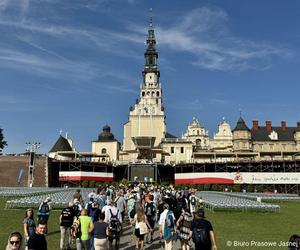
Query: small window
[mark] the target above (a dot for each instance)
(143, 93)
(172, 150)
(103, 151)
(182, 150)
(103, 159)
(157, 93)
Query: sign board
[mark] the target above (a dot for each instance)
(238, 178)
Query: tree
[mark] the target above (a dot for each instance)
(2, 142)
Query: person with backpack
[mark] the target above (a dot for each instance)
(114, 219)
(77, 207)
(131, 207)
(86, 227)
(180, 203)
(184, 224)
(202, 233)
(44, 210)
(66, 220)
(121, 204)
(193, 201)
(150, 210)
(78, 196)
(166, 227)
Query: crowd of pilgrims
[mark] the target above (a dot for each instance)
(98, 222)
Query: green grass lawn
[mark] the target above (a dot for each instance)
(248, 227)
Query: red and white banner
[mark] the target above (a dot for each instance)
(238, 178)
(81, 176)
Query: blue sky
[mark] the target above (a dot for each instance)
(75, 65)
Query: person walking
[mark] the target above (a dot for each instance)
(184, 224)
(202, 233)
(150, 210)
(166, 227)
(121, 204)
(14, 241)
(131, 207)
(114, 219)
(38, 240)
(101, 232)
(141, 227)
(66, 220)
(29, 224)
(86, 227)
(193, 201)
(44, 210)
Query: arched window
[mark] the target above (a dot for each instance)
(143, 93)
(103, 151)
(198, 143)
(103, 159)
(157, 93)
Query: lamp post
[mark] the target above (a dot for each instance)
(31, 148)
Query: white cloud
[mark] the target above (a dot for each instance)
(205, 35)
(43, 66)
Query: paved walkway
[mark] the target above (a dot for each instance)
(128, 240)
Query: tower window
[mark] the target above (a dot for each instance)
(181, 150)
(150, 77)
(157, 93)
(172, 150)
(103, 151)
(150, 60)
(143, 93)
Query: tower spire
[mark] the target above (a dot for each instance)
(151, 17)
(151, 54)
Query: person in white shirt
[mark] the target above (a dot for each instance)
(111, 206)
(121, 204)
(162, 219)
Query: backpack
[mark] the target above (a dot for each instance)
(44, 208)
(193, 201)
(150, 210)
(67, 217)
(180, 204)
(169, 226)
(115, 224)
(169, 222)
(200, 235)
(76, 229)
(101, 202)
(76, 210)
(186, 223)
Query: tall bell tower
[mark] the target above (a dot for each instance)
(146, 123)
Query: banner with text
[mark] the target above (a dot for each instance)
(238, 178)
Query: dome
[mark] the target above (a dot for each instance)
(106, 135)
